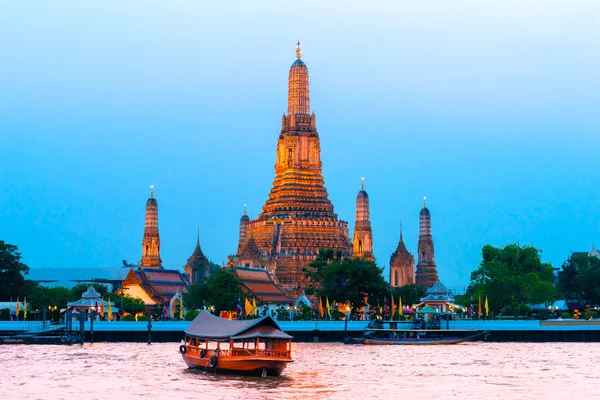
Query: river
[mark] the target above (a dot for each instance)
(325, 370)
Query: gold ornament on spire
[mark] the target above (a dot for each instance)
(362, 183)
(298, 50)
(245, 209)
(151, 190)
(424, 201)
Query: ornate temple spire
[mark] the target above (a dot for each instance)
(363, 236)
(243, 229)
(426, 275)
(402, 264)
(298, 89)
(151, 240)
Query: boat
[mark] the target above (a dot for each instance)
(247, 347)
(424, 340)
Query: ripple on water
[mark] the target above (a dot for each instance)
(321, 370)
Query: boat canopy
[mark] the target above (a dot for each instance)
(208, 326)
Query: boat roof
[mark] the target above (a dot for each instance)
(208, 326)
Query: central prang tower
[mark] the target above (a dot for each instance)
(298, 217)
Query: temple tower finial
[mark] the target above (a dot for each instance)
(424, 201)
(151, 191)
(298, 50)
(362, 183)
(198, 240)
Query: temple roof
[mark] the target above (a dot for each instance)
(209, 326)
(262, 284)
(160, 284)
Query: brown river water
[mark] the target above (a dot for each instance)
(326, 370)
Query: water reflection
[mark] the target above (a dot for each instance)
(475, 370)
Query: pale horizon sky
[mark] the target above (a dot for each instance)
(490, 109)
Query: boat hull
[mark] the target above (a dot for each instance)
(261, 366)
(426, 342)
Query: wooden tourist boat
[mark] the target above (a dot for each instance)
(255, 347)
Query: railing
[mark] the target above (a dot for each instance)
(241, 352)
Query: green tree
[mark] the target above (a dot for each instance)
(11, 272)
(512, 274)
(411, 294)
(222, 291)
(42, 297)
(352, 280)
(579, 278)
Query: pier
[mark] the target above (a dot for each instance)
(302, 331)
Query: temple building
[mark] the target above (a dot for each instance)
(298, 218)
(363, 237)
(151, 240)
(426, 275)
(197, 267)
(150, 281)
(402, 265)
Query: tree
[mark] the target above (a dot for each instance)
(222, 290)
(512, 274)
(410, 294)
(348, 280)
(42, 297)
(579, 278)
(11, 272)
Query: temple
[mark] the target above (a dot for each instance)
(363, 237)
(151, 240)
(426, 275)
(402, 265)
(298, 218)
(150, 281)
(197, 267)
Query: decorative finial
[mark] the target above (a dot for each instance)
(151, 190)
(198, 241)
(362, 183)
(245, 210)
(424, 201)
(298, 50)
(400, 228)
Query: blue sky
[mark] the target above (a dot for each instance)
(490, 109)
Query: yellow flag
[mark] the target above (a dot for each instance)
(321, 311)
(254, 306)
(400, 305)
(24, 308)
(393, 309)
(18, 307)
(109, 310)
(180, 308)
(248, 307)
(487, 309)
(327, 306)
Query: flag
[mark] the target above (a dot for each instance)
(487, 309)
(327, 305)
(393, 309)
(96, 310)
(165, 309)
(173, 300)
(471, 308)
(254, 308)
(400, 305)
(248, 307)
(102, 309)
(386, 308)
(25, 309)
(479, 308)
(18, 308)
(109, 310)
(239, 307)
(321, 311)
(180, 308)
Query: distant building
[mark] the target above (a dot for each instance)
(402, 265)
(363, 236)
(111, 277)
(197, 267)
(439, 298)
(426, 275)
(150, 281)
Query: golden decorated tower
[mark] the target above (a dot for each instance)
(151, 241)
(298, 218)
(426, 275)
(363, 237)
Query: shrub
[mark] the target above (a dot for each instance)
(4, 314)
(191, 315)
(594, 314)
(129, 317)
(565, 315)
(142, 318)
